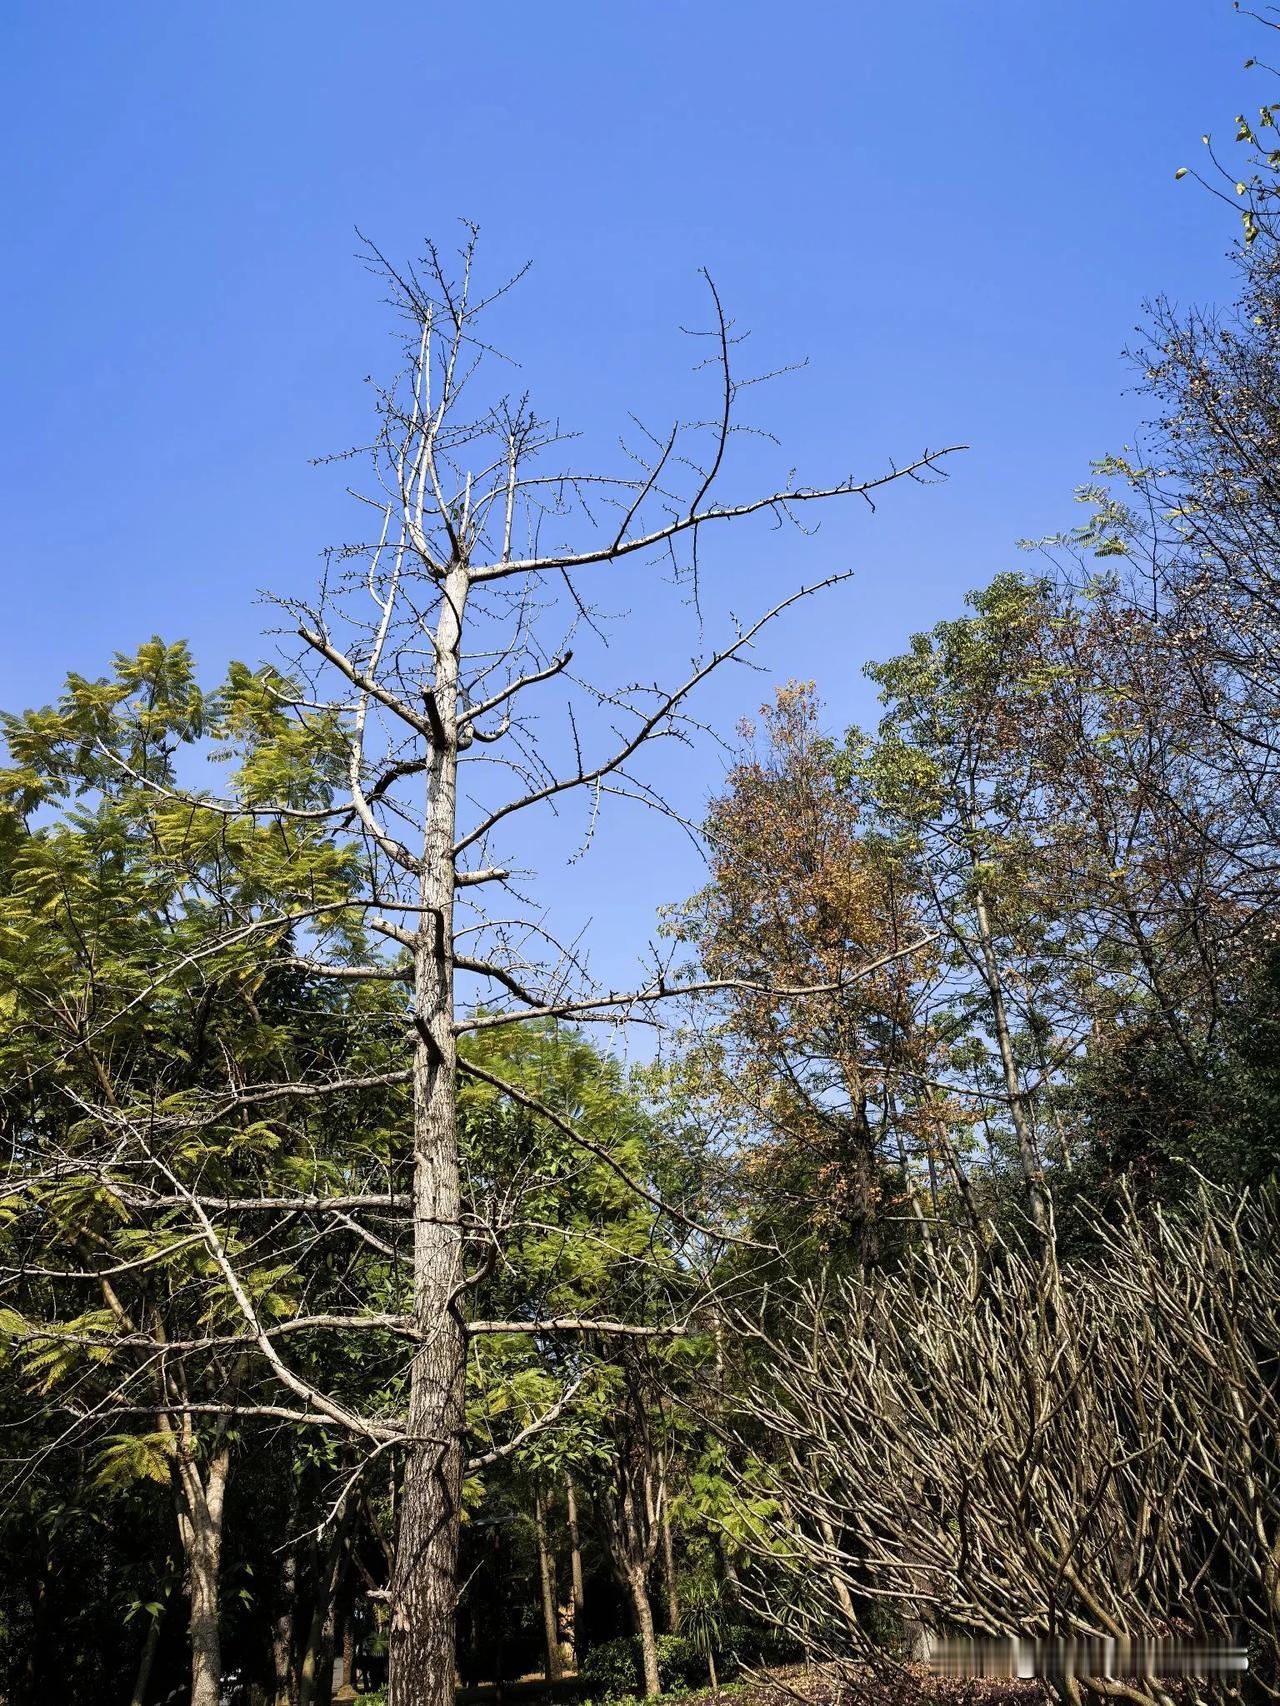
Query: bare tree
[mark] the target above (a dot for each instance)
(432, 645)
(479, 555)
(988, 1450)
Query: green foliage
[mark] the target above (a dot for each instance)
(156, 949)
(703, 1622)
(747, 1646)
(126, 1458)
(1154, 1121)
(616, 1668)
(613, 1668)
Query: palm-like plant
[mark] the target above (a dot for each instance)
(703, 1625)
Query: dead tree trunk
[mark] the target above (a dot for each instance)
(629, 1516)
(462, 502)
(424, 1588)
(461, 506)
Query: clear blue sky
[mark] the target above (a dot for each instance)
(953, 207)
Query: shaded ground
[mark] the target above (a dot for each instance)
(905, 1685)
(789, 1686)
(793, 1685)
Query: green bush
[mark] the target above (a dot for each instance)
(616, 1668)
(752, 1644)
(677, 1661)
(613, 1667)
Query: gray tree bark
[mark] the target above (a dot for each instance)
(628, 1510)
(642, 1612)
(200, 1512)
(424, 1591)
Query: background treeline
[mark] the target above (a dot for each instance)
(926, 1277)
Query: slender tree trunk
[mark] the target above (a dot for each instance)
(424, 1587)
(286, 1692)
(576, 1601)
(282, 1637)
(575, 1561)
(670, 1594)
(315, 1679)
(200, 1511)
(642, 1612)
(150, 1644)
(348, 1649)
(838, 1584)
(497, 1563)
(933, 1102)
(1028, 1154)
(547, 1588)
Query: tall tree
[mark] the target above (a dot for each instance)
(957, 787)
(803, 903)
(438, 634)
(471, 588)
(134, 982)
